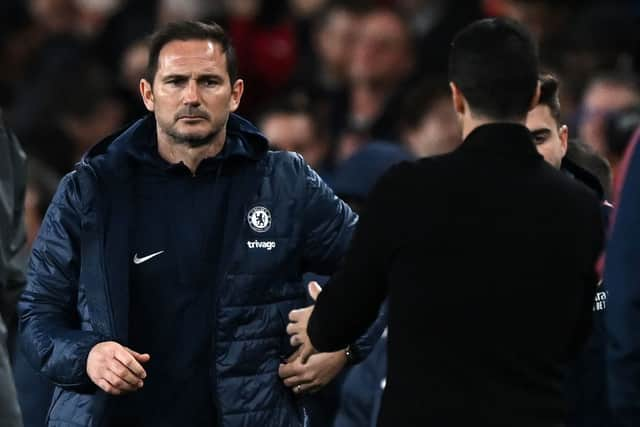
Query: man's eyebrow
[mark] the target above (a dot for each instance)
(540, 130)
(174, 76)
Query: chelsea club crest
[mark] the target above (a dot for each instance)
(259, 219)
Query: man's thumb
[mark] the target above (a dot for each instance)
(314, 290)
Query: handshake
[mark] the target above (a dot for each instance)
(117, 369)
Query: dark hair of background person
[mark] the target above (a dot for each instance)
(191, 30)
(292, 104)
(422, 99)
(619, 128)
(550, 95)
(494, 63)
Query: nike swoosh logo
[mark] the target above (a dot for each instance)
(137, 260)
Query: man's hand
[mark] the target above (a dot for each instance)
(297, 327)
(310, 377)
(116, 369)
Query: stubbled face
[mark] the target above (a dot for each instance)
(381, 51)
(294, 132)
(550, 140)
(335, 41)
(599, 100)
(191, 94)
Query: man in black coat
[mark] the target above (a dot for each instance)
(487, 255)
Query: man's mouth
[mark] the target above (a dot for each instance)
(191, 118)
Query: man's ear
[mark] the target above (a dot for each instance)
(236, 94)
(458, 98)
(146, 92)
(536, 97)
(563, 133)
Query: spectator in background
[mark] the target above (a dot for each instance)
(265, 38)
(292, 127)
(433, 24)
(429, 125)
(324, 71)
(74, 126)
(381, 62)
(619, 127)
(132, 67)
(34, 390)
(585, 388)
(604, 95)
(12, 240)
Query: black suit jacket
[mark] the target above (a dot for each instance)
(487, 255)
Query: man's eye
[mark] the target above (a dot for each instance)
(210, 82)
(539, 139)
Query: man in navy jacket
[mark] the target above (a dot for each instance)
(622, 275)
(160, 284)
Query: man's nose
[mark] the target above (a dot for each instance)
(191, 94)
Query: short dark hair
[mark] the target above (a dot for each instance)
(494, 63)
(294, 103)
(420, 101)
(550, 95)
(190, 30)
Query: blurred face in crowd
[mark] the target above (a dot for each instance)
(438, 131)
(294, 132)
(133, 65)
(191, 94)
(549, 138)
(85, 129)
(599, 99)
(335, 40)
(538, 16)
(381, 53)
(54, 15)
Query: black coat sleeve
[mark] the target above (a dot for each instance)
(352, 299)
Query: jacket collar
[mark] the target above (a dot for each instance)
(507, 139)
(243, 138)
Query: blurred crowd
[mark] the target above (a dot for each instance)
(323, 78)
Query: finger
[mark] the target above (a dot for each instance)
(295, 340)
(289, 370)
(294, 381)
(303, 388)
(104, 385)
(118, 382)
(306, 351)
(292, 328)
(140, 357)
(294, 356)
(314, 290)
(128, 360)
(123, 372)
(294, 315)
